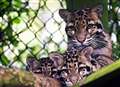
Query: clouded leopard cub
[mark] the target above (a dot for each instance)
(44, 70)
(84, 28)
(68, 68)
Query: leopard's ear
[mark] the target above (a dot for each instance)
(65, 14)
(57, 58)
(98, 9)
(32, 63)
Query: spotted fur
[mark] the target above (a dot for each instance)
(77, 66)
(89, 49)
(84, 28)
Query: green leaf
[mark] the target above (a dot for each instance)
(4, 4)
(10, 36)
(17, 3)
(102, 72)
(16, 20)
(4, 60)
(14, 41)
(8, 31)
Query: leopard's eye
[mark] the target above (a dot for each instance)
(99, 26)
(90, 26)
(70, 31)
(90, 31)
(94, 27)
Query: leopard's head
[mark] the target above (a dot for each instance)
(82, 22)
(32, 64)
(41, 66)
(77, 65)
(47, 66)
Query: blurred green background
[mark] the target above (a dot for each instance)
(34, 28)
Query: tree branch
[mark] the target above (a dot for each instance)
(21, 78)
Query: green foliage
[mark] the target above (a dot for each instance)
(4, 60)
(10, 14)
(114, 25)
(7, 8)
(116, 51)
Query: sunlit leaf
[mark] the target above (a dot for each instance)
(17, 3)
(4, 60)
(14, 41)
(8, 32)
(16, 20)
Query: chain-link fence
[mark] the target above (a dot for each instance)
(30, 28)
(34, 28)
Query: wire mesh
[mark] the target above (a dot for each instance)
(34, 28)
(34, 32)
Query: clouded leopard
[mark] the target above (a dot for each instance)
(84, 28)
(68, 68)
(89, 48)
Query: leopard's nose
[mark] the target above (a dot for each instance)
(74, 79)
(81, 38)
(81, 41)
